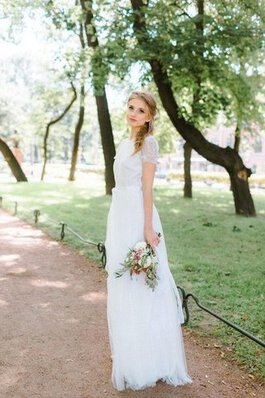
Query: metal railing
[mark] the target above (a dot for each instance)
(185, 299)
(185, 296)
(100, 246)
(64, 227)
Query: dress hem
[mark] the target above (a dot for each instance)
(167, 380)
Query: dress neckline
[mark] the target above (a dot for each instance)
(128, 139)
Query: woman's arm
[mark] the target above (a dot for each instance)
(147, 181)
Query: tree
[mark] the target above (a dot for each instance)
(244, 110)
(99, 76)
(189, 58)
(81, 114)
(196, 97)
(98, 72)
(51, 123)
(225, 157)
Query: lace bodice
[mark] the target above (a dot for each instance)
(127, 167)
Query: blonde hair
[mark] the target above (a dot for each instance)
(148, 127)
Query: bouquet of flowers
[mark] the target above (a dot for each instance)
(141, 258)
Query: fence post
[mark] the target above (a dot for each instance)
(62, 230)
(36, 213)
(102, 249)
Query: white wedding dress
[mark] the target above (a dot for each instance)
(144, 325)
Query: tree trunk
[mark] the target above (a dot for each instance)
(106, 139)
(196, 98)
(240, 188)
(237, 137)
(45, 141)
(225, 157)
(78, 129)
(187, 173)
(236, 143)
(101, 98)
(12, 162)
(80, 121)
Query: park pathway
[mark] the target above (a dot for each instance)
(53, 330)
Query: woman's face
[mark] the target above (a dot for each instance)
(137, 114)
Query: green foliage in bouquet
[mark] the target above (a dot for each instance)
(141, 258)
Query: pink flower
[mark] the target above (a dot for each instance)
(141, 259)
(137, 255)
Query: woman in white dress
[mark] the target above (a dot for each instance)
(144, 324)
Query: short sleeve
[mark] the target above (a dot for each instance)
(150, 150)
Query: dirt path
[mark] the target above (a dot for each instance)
(53, 330)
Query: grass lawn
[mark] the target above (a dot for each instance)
(218, 256)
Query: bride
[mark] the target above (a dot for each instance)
(144, 324)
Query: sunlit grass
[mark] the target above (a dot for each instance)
(213, 253)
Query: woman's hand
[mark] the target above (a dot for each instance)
(152, 237)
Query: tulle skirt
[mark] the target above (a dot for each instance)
(144, 325)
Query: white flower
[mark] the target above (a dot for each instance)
(148, 261)
(140, 245)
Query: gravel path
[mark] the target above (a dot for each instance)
(53, 334)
